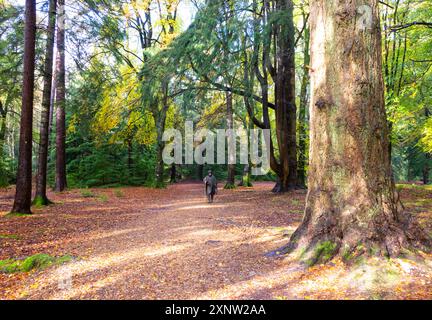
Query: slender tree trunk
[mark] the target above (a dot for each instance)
(52, 104)
(41, 178)
(426, 169)
(173, 178)
(160, 182)
(303, 121)
(3, 115)
(61, 183)
(352, 205)
(200, 172)
(160, 117)
(246, 178)
(286, 111)
(129, 158)
(230, 126)
(427, 166)
(22, 202)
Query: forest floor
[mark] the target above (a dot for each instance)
(138, 243)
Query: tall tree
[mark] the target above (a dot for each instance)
(22, 203)
(60, 179)
(286, 110)
(352, 206)
(426, 166)
(41, 177)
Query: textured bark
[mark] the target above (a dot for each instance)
(41, 177)
(352, 206)
(60, 180)
(230, 126)
(22, 203)
(286, 110)
(303, 121)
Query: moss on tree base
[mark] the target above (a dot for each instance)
(230, 186)
(18, 215)
(35, 262)
(40, 201)
(404, 242)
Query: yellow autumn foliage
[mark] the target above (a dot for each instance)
(120, 114)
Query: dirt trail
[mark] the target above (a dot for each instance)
(153, 244)
(139, 243)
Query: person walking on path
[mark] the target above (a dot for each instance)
(210, 186)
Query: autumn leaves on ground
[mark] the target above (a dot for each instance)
(138, 243)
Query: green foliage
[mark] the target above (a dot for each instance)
(87, 193)
(6, 172)
(103, 198)
(94, 165)
(36, 262)
(229, 186)
(17, 215)
(119, 193)
(9, 236)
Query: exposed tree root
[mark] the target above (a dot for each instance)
(318, 246)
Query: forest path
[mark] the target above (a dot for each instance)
(139, 243)
(157, 244)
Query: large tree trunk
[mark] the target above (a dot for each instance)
(303, 121)
(286, 111)
(230, 126)
(22, 202)
(60, 180)
(351, 206)
(41, 196)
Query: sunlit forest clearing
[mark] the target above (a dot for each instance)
(223, 149)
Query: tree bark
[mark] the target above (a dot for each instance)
(230, 126)
(22, 203)
(41, 196)
(60, 180)
(286, 110)
(352, 206)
